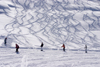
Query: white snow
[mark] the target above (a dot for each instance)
(48, 58)
(75, 23)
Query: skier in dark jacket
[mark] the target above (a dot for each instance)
(85, 48)
(63, 47)
(5, 41)
(17, 47)
(42, 46)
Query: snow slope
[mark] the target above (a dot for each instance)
(48, 58)
(53, 22)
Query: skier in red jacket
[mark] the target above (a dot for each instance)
(63, 47)
(17, 47)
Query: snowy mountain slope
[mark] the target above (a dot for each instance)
(53, 22)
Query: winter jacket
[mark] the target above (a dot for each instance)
(17, 46)
(63, 46)
(42, 45)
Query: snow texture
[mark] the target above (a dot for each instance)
(28, 23)
(53, 22)
(49, 58)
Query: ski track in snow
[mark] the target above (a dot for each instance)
(48, 58)
(53, 22)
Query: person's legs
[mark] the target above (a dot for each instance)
(41, 48)
(85, 50)
(63, 49)
(5, 43)
(16, 49)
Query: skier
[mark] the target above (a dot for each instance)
(42, 46)
(17, 47)
(63, 47)
(85, 48)
(5, 41)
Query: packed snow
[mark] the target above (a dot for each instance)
(28, 23)
(48, 58)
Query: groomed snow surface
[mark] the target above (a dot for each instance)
(48, 58)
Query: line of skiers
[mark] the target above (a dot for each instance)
(17, 46)
(63, 46)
